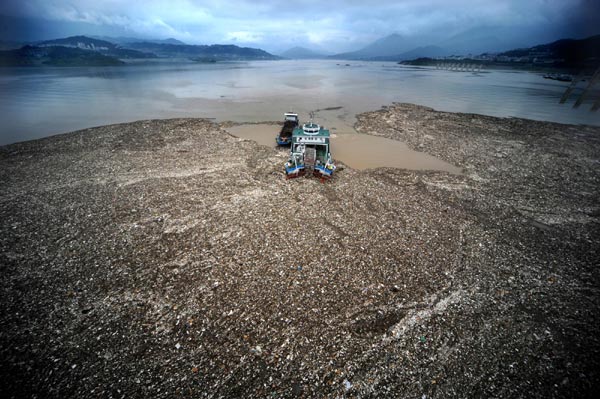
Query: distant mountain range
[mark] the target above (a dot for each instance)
(298, 53)
(394, 47)
(566, 51)
(425, 51)
(84, 50)
(101, 46)
(574, 54)
(87, 51)
(477, 40)
(126, 40)
(55, 56)
(220, 52)
(388, 46)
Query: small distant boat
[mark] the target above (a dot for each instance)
(559, 77)
(310, 152)
(290, 122)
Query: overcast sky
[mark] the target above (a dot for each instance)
(332, 25)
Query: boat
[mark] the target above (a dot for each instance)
(310, 152)
(290, 122)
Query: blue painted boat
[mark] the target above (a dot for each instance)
(310, 152)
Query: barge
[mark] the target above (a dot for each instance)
(290, 122)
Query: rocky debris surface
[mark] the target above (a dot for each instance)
(167, 258)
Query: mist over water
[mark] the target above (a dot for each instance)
(38, 102)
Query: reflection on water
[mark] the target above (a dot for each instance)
(36, 102)
(359, 151)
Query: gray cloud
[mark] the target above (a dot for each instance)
(336, 25)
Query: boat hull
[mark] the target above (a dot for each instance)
(294, 171)
(283, 141)
(323, 172)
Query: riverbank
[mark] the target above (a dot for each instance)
(167, 257)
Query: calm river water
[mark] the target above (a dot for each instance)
(37, 102)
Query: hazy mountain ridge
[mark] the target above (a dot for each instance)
(570, 51)
(217, 51)
(299, 52)
(125, 40)
(572, 54)
(56, 56)
(102, 46)
(425, 51)
(419, 52)
(83, 42)
(387, 46)
(394, 47)
(86, 51)
(475, 41)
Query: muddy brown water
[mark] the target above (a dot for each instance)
(39, 102)
(359, 151)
